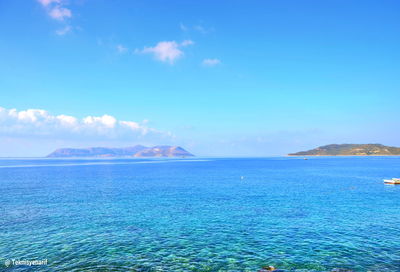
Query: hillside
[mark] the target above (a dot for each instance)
(163, 151)
(351, 150)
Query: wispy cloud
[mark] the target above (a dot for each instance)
(63, 31)
(48, 2)
(121, 49)
(199, 28)
(60, 13)
(187, 42)
(56, 10)
(211, 62)
(166, 51)
(38, 122)
(183, 27)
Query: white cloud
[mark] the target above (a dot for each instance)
(63, 31)
(38, 122)
(56, 9)
(121, 49)
(60, 13)
(166, 51)
(48, 2)
(187, 43)
(211, 62)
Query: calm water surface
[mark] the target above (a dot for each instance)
(199, 215)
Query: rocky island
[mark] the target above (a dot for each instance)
(133, 151)
(351, 150)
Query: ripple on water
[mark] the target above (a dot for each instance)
(200, 216)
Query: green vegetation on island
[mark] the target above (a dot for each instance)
(351, 150)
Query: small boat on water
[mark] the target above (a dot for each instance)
(392, 181)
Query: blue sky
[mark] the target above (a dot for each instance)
(220, 78)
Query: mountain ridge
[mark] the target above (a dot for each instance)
(131, 151)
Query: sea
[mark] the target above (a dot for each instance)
(200, 214)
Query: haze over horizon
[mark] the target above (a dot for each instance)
(226, 78)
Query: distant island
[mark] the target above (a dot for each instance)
(134, 151)
(351, 150)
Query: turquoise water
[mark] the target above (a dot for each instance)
(199, 215)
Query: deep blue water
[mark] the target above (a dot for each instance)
(199, 215)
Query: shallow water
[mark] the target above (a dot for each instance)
(199, 215)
